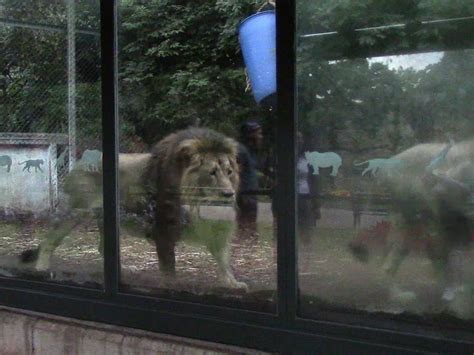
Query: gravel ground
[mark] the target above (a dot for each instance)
(329, 275)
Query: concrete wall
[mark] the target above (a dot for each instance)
(25, 187)
(23, 332)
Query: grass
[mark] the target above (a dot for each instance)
(9, 229)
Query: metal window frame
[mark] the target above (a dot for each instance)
(283, 332)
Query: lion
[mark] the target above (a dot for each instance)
(432, 210)
(188, 167)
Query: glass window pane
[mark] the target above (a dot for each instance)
(196, 167)
(51, 122)
(385, 167)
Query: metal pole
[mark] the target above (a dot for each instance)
(71, 81)
(286, 162)
(109, 85)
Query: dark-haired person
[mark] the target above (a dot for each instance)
(308, 194)
(251, 138)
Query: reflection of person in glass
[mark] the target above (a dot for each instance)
(308, 194)
(247, 204)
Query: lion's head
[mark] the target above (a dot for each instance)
(210, 169)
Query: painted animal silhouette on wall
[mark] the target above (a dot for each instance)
(32, 163)
(385, 165)
(324, 160)
(61, 161)
(5, 160)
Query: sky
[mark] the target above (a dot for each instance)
(414, 61)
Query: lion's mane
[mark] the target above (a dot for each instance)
(169, 160)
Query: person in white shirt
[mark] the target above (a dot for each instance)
(308, 204)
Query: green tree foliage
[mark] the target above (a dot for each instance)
(180, 64)
(33, 81)
(355, 103)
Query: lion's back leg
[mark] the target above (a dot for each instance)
(446, 263)
(395, 258)
(52, 239)
(166, 231)
(397, 253)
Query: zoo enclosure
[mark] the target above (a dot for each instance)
(283, 332)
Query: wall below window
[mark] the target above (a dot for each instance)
(23, 332)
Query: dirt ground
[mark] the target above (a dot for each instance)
(78, 261)
(329, 276)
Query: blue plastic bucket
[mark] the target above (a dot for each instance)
(257, 36)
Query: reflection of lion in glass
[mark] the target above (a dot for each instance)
(432, 210)
(187, 167)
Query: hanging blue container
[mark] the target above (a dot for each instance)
(257, 36)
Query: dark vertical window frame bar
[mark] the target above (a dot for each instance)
(109, 77)
(286, 158)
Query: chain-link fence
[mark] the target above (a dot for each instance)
(50, 79)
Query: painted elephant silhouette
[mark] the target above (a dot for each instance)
(324, 160)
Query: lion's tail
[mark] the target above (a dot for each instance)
(22, 162)
(361, 163)
(29, 256)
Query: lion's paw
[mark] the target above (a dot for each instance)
(399, 295)
(42, 266)
(240, 285)
(450, 293)
(230, 282)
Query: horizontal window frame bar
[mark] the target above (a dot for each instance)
(44, 27)
(457, 42)
(392, 26)
(197, 309)
(377, 329)
(384, 328)
(49, 287)
(265, 337)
